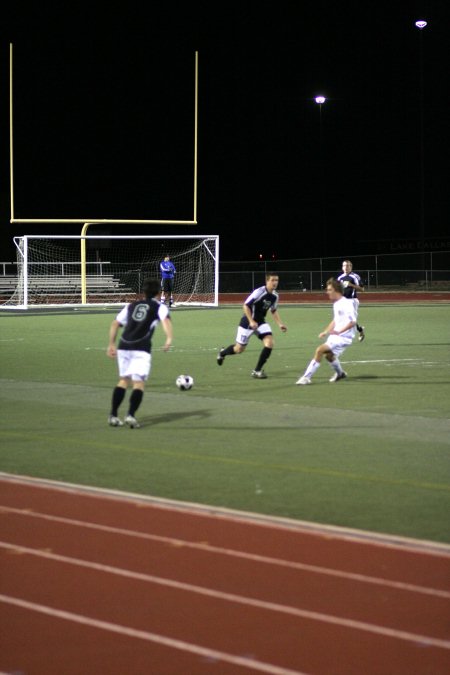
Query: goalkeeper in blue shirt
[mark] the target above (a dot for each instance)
(168, 271)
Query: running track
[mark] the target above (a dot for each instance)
(101, 583)
(386, 298)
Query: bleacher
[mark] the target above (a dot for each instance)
(7, 285)
(70, 284)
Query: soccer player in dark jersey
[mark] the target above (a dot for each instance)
(254, 322)
(352, 284)
(138, 320)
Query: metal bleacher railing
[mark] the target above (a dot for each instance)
(428, 270)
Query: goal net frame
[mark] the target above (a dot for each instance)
(50, 274)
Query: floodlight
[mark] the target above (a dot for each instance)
(420, 24)
(320, 99)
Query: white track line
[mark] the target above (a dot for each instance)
(150, 637)
(231, 552)
(238, 599)
(233, 516)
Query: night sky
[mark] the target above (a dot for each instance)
(104, 113)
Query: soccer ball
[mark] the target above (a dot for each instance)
(184, 382)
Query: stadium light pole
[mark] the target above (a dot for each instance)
(420, 25)
(320, 100)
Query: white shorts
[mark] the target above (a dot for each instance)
(134, 364)
(243, 335)
(338, 344)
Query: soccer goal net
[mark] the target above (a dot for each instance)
(109, 270)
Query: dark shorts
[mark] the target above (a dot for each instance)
(167, 285)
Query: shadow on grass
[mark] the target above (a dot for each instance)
(167, 418)
(349, 378)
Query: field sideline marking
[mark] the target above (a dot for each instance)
(238, 599)
(419, 362)
(233, 515)
(289, 468)
(299, 469)
(383, 361)
(328, 571)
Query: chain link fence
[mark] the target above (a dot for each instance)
(384, 272)
(395, 271)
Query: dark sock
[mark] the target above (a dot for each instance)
(265, 353)
(117, 398)
(358, 327)
(135, 400)
(228, 351)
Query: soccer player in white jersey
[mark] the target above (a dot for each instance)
(351, 282)
(254, 322)
(340, 332)
(134, 358)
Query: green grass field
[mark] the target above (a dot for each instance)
(370, 452)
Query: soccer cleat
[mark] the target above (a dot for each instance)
(220, 358)
(338, 376)
(132, 422)
(259, 375)
(362, 334)
(114, 421)
(304, 380)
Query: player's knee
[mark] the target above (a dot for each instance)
(238, 348)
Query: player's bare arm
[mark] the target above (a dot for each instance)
(349, 325)
(167, 328)
(349, 284)
(279, 322)
(328, 330)
(248, 313)
(111, 350)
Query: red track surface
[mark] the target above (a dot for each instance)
(369, 297)
(94, 583)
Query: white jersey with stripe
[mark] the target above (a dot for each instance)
(344, 311)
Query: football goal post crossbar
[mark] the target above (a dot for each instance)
(87, 220)
(52, 271)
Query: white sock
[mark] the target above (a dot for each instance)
(311, 369)
(336, 366)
